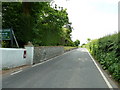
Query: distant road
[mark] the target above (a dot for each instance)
(74, 69)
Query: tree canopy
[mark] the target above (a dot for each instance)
(37, 22)
(77, 42)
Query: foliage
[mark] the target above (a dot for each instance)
(106, 51)
(5, 44)
(88, 40)
(37, 22)
(5, 68)
(83, 45)
(77, 42)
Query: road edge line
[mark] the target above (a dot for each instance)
(52, 58)
(16, 72)
(104, 77)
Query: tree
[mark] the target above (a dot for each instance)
(0, 15)
(37, 22)
(77, 42)
(88, 39)
(83, 45)
(11, 18)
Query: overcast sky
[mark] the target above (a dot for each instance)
(91, 18)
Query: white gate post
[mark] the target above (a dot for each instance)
(29, 54)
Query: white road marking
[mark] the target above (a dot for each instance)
(52, 58)
(16, 72)
(40, 63)
(106, 80)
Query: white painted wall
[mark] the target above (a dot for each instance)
(0, 69)
(0, 59)
(12, 57)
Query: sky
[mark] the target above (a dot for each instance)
(91, 18)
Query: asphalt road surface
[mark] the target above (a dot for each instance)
(74, 69)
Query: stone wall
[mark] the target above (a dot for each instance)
(46, 52)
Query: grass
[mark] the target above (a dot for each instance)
(68, 48)
(5, 68)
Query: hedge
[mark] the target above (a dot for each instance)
(107, 51)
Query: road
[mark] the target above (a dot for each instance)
(74, 69)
